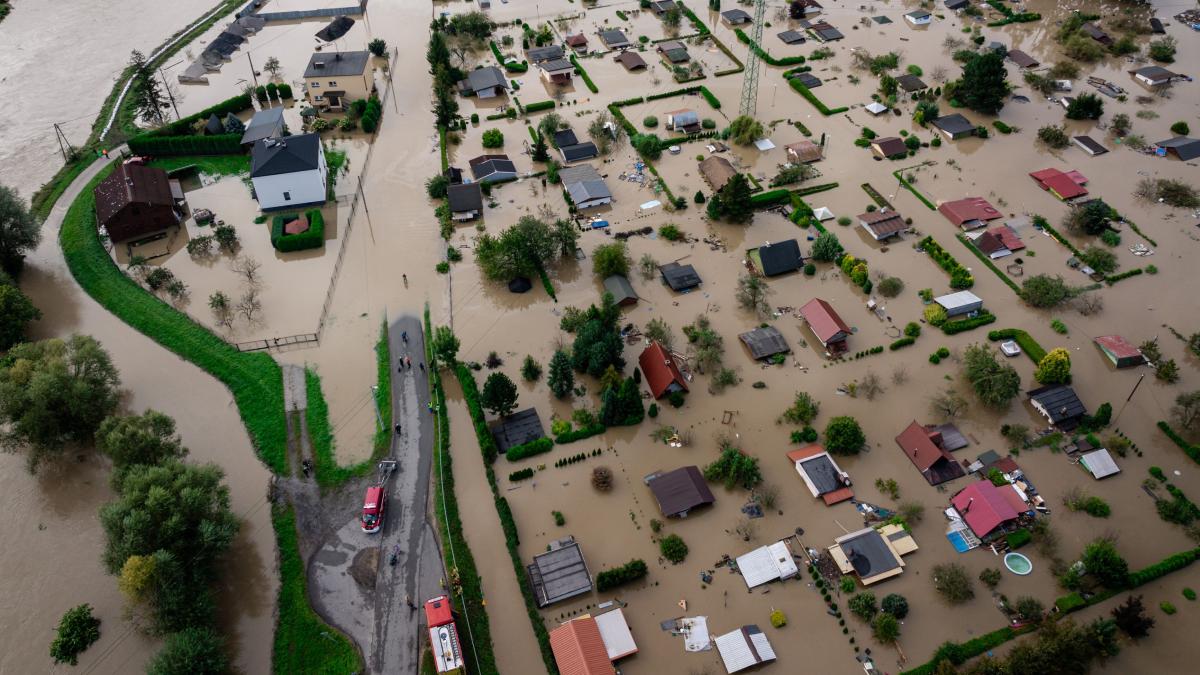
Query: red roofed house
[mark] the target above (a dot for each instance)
(970, 213)
(577, 41)
(923, 447)
(661, 372)
(986, 507)
(825, 323)
(1064, 185)
(579, 649)
(443, 636)
(1120, 351)
(1008, 237)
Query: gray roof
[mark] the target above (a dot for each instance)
(680, 490)
(735, 15)
(336, 29)
(1061, 404)
(565, 137)
(765, 342)
(1088, 143)
(792, 37)
(578, 151)
(808, 79)
(272, 157)
(953, 123)
(1154, 73)
(780, 258)
(613, 38)
(487, 165)
(547, 53)
(559, 573)
(828, 34)
(956, 4)
(911, 83)
(518, 428)
(684, 118)
(952, 438)
(583, 183)
(324, 64)
(1186, 148)
(265, 124)
(680, 277)
(556, 64)
(869, 554)
(464, 197)
(620, 288)
(486, 78)
(823, 475)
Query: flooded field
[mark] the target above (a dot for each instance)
(389, 269)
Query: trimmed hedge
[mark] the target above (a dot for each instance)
(186, 126)
(540, 446)
(584, 74)
(487, 444)
(960, 278)
(901, 343)
(631, 571)
(579, 434)
(963, 325)
(313, 237)
(770, 198)
(160, 146)
(804, 91)
(539, 106)
(764, 54)
(1069, 603)
(1018, 539)
(1024, 340)
(1164, 567)
(1189, 449)
(916, 193)
(521, 475)
(986, 260)
(254, 378)
(959, 653)
(710, 97)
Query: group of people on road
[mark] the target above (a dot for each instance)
(405, 363)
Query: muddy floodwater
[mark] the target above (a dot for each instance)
(396, 237)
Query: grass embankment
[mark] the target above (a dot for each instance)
(456, 553)
(383, 392)
(254, 379)
(303, 642)
(916, 193)
(43, 199)
(512, 540)
(330, 474)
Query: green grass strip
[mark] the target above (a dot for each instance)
(804, 91)
(988, 261)
(304, 643)
(477, 636)
(320, 433)
(916, 193)
(254, 378)
(46, 197)
(383, 392)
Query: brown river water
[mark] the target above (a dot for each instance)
(397, 235)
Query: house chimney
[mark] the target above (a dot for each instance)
(968, 506)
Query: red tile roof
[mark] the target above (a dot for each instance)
(805, 452)
(917, 443)
(961, 211)
(1066, 185)
(579, 649)
(825, 322)
(985, 506)
(1008, 237)
(660, 370)
(1119, 346)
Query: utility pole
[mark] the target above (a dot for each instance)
(252, 73)
(167, 87)
(1130, 397)
(64, 145)
(750, 76)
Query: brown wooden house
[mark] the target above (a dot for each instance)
(135, 201)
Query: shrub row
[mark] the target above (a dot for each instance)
(814, 189)
(631, 571)
(539, 106)
(579, 434)
(963, 325)
(162, 146)
(1114, 278)
(1163, 567)
(584, 74)
(764, 54)
(986, 260)
(770, 198)
(186, 126)
(958, 653)
(916, 193)
(1070, 602)
(521, 475)
(901, 343)
(313, 237)
(960, 278)
(573, 459)
(1024, 340)
(804, 91)
(1189, 449)
(710, 97)
(540, 446)
(254, 378)
(1018, 539)
(487, 444)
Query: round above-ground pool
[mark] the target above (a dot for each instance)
(1018, 564)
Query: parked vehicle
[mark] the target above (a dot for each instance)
(374, 506)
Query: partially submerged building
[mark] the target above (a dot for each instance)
(660, 371)
(614, 39)
(959, 303)
(585, 186)
(803, 151)
(135, 202)
(334, 80)
(1059, 404)
(673, 52)
(486, 82)
(559, 574)
(764, 342)
(954, 126)
(1022, 59)
(774, 259)
(873, 554)
(622, 291)
(735, 17)
(1154, 76)
(766, 564)
(1099, 463)
(465, 201)
(519, 428)
(557, 72)
(267, 123)
(684, 119)
(889, 147)
(969, 213)
(679, 277)
(614, 631)
(882, 224)
(544, 54)
(1183, 148)
(826, 325)
(1089, 145)
(717, 171)
(1062, 184)
(579, 648)
(821, 474)
(989, 510)
(744, 648)
(678, 492)
(631, 60)
(289, 172)
(1121, 352)
(923, 447)
(492, 168)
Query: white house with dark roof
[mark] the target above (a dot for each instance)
(333, 80)
(289, 172)
(486, 82)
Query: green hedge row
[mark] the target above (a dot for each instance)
(539, 106)
(487, 444)
(539, 447)
(455, 551)
(1190, 449)
(1164, 567)
(587, 79)
(958, 653)
(764, 54)
(710, 97)
(313, 237)
(186, 126)
(1024, 340)
(254, 378)
(1069, 603)
(631, 571)
(1114, 278)
(770, 198)
(160, 146)
(901, 343)
(916, 193)
(804, 91)
(986, 260)
(960, 278)
(963, 325)
(579, 434)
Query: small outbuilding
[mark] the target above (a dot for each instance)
(959, 303)
(803, 151)
(921, 445)
(684, 119)
(678, 492)
(1120, 351)
(919, 17)
(1154, 76)
(764, 342)
(579, 649)
(585, 186)
(631, 60)
(792, 37)
(465, 201)
(1062, 184)
(679, 277)
(882, 224)
(557, 72)
(614, 39)
(744, 648)
(673, 51)
(517, 429)
(492, 168)
(1183, 148)
(911, 83)
(1059, 404)
(1022, 59)
(889, 147)
(266, 123)
(766, 564)
(487, 82)
(954, 126)
(825, 32)
(559, 574)
(735, 17)
(661, 371)
(614, 630)
(577, 42)
(544, 54)
(622, 291)
(1099, 463)
(774, 259)
(987, 508)
(1089, 145)
(821, 474)
(826, 325)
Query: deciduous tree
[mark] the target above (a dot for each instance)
(19, 231)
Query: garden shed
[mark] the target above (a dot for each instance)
(1120, 351)
(678, 492)
(579, 649)
(766, 564)
(873, 554)
(961, 302)
(621, 290)
(821, 474)
(764, 342)
(679, 277)
(1099, 463)
(518, 428)
(773, 259)
(744, 648)
(1059, 404)
(921, 445)
(559, 573)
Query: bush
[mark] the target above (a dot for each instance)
(313, 237)
(1054, 136)
(1018, 539)
(890, 287)
(537, 447)
(1180, 129)
(901, 343)
(843, 436)
(810, 269)
(521, 475)
(192, 651)
(77, 630)
(961, 325)
(778, 619)
(912, 329)
(1163, 50)
(734, 468)
(673, 548)
(629, 572)
(953, 583)
(493, 138)
(863, 605)
(285, 91)
(895, 604)
(650, 122)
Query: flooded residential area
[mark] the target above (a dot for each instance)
(599, 337)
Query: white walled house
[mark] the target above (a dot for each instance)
(289, 172)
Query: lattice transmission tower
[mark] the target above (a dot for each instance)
(750, 76)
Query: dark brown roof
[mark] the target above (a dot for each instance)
(131, 184)
(680, 490)
(883, 223)
(890, 146)
(631, 60)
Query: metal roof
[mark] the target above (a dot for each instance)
(336, 29)
(620, 288)
(765, 342)
(766, 564)
(1099, 463)
(614, 630)
(680, 277)
(265, 124)
(559, 573)
(518, 428)
(959, 299)
(681, 490)
(324, 64)
(547, 53)
(743, 648)
(954, 123)
(1059, 403)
